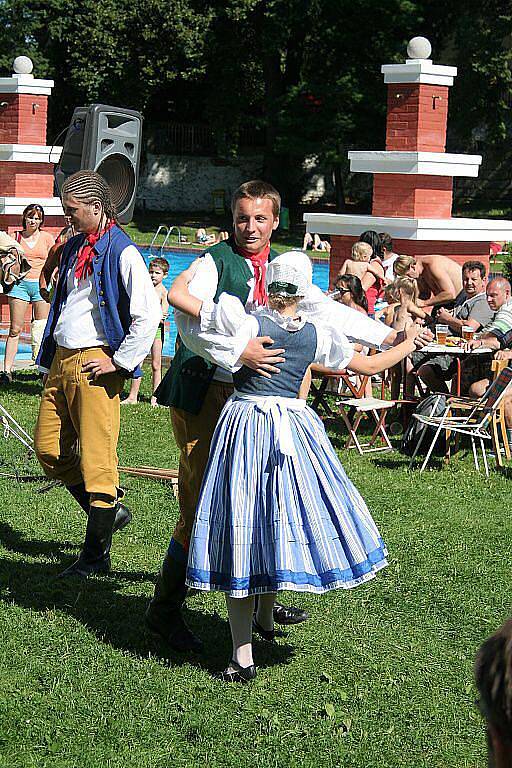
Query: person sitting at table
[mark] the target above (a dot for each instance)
(386, 313)
(493, 677)
(439, 278)
(406, 311)
(474, 312)
(476, 371)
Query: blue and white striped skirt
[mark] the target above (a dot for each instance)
(276, 509)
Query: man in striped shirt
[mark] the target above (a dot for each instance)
(492, 335)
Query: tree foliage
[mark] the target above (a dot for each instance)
(306, 73)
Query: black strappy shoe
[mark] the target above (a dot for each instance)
(266, 634)
(238, 674)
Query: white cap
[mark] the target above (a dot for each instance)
(292, 268)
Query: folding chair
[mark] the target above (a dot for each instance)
(475, 423)
(11, 427)
(378, 409)
(321, 392)
(498, 424)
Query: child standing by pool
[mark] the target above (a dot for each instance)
(158, 271)
(276, 509)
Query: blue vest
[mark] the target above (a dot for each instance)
(113, 300)
(299, 352)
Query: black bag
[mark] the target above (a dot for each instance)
(413, 432)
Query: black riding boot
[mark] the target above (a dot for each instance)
(79, 493)
(123, 514)
(163, 615)
(95, 554)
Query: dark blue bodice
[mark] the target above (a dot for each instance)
(300, 350)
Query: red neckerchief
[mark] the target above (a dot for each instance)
(85, 255)
(259, 263)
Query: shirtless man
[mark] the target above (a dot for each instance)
(439, 278)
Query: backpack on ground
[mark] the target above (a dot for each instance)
(433, 405)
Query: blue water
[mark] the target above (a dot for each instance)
(178, 261)
(24, 350)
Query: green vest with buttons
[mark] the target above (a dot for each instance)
(186, 382)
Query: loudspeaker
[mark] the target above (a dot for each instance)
(107, 140)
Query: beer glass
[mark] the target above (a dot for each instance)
(441, 334)
(467, 332)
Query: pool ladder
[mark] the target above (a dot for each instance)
(168, 231)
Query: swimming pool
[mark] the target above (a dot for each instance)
(180, 260)
(24, 349)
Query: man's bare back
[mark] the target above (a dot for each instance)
(439, 276)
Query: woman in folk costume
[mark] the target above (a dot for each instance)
(276, 509)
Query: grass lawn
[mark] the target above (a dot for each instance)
(380, 677)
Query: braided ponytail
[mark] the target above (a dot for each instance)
(87, 187)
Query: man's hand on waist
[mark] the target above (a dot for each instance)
(100, 366)
(259, 358)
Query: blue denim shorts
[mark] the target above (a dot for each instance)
(26, 290)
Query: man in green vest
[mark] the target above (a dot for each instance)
(198, 383)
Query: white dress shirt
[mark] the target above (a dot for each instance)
(225, 351)
(79, 325)
(229, 318)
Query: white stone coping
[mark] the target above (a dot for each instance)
(16, 205)
(428, 163)
(419, 71)
(456, 229)
(29, 153)
(26, 84)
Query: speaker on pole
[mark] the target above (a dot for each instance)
(106, 140)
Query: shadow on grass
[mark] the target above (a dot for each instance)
(15, 541)
(114, 617)
(400, 462)
(23, 384)
(505, 472)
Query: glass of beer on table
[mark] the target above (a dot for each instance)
(467, 332)
(441, 334)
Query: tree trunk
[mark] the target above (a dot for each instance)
(339, 189)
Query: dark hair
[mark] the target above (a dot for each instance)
(30, 209)
(493, 676)
(469, 266)
(160, 262)
(256, 188)
(373, 238)
(386, 241)
(354, 285)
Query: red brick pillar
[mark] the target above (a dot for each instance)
(26, 168)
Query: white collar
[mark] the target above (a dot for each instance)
(288, 323)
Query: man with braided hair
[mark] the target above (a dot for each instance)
(102, 323)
